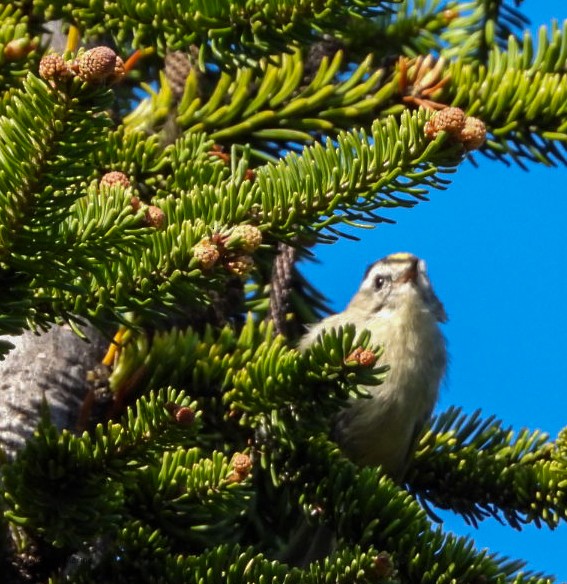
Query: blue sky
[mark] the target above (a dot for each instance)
(496, 245)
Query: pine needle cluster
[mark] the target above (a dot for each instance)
(150, 199)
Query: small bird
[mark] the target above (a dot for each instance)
(397, 305)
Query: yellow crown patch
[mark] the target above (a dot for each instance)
(401, 256)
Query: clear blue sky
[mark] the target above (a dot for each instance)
(496, 245)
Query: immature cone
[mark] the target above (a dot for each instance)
(242, 465)
(154, 217)
(113, 178)
(450, 14)
(383, 565)
(240, 265)
(450, 119)
(53, 67)
(136, 203)
(249, 237)
(469, 131)
(184, 416)
(17, 49)
(119, 69)
(473, 135)
(97, 64)
(363, 357)
(206, 253)
(177, 69)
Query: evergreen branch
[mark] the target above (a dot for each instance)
(416, 28)
(327, 185)
(520, 97)
(481, 26)
(340, 187)
(47, 137)
(110, 560)
(41, 131)
(249, 566)
(146, 556)
(519, 94)
(232, 33)
(479, 469)
(190, 498)
(367, 507)
(141, 157)
(258, 373)
(69, 489)
(348, 181)
(17, 47)
(273, 106)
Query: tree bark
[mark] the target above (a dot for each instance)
(51, 366)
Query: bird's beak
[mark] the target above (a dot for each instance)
(410, 275)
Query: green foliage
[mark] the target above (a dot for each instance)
(518, 90)
(251, 379)
(481, 25)
(46, 137)
(153, 470)
(272, 103)
(231, 32)
(98, 260)
(80, 488)
(296, 118)
(369, 508)
(488, 470)
(414, 29)
(521, 95)
(17, 46)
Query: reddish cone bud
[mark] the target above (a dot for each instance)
(383, 565)
(53, 68)
(473, 135)
(97, 64)
(248, 237)
(207, 253)
(17, 49)
(240, 265)
(242, 466)
(154, 217)
(115, 177)
(450, 14)
(184, 416)
(363, 357)
(450, 119)
(136, 204)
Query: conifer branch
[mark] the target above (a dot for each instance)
(273, 109)
(47, 137)
(480, 469)
(273, 104)
(367, 507)
(289, 119)
(480, 26)
(415, 28)
(236, 33)
(18, 47)
(520, 95)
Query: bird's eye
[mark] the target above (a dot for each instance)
(379, 282)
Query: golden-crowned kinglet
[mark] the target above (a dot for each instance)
(396, 303)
